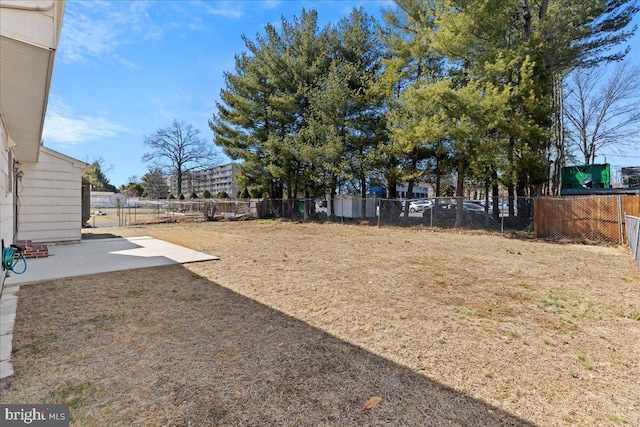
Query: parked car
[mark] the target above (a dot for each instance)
(99, 213)
(419, 205)
(447, 212)
(469, 207)
(503, 206)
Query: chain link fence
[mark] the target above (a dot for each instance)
(435, 212)
(633, 236)
(585, 219)
(147, 211)
(504, 214)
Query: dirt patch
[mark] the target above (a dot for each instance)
(304, 323)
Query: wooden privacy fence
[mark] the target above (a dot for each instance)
(596, 218)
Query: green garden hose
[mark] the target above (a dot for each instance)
(9, 261)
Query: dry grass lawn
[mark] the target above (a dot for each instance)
(301, 324)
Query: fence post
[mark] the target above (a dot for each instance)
(433, 206)
(620, 223)
(305, 217)
(637, 240)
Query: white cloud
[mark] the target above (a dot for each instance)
(228, 9)
(234, 9)
(83, 37)
(95, 29)
(63, 128)
(196, 24)
(125, 62)
(270, 4)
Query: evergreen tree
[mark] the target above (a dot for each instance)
(498, 96)
(360, 59)
(563, 35)
(155, 184)
(96, 175)
(409, 63)
(300, 109)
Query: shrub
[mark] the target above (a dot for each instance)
(258, 191)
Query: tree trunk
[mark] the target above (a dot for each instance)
(510, 188)
(521, 192)
(276, 190)
(392, 184)
(334, 186)
(406, 201)
(438, 176)
(494, 195)
(460, 190)
(363, 195)
(542, 14)
(558, 133)
(526, 14)
(179, 182)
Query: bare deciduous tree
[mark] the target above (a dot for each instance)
(603, 112)
(177, 150)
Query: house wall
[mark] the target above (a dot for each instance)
(50, 199)
(6, 195)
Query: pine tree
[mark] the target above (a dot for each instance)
(300, 109)
(96, 174)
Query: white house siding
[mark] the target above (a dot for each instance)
(29, 34)
(6, 195)
(50, 199)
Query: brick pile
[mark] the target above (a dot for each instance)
(32, 250)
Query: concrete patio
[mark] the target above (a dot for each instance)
(85, 258)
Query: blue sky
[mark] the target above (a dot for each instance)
(125, 69)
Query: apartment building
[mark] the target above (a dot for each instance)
(215, 180)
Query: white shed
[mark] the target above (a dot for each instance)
(351, 207)
(49, 199)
